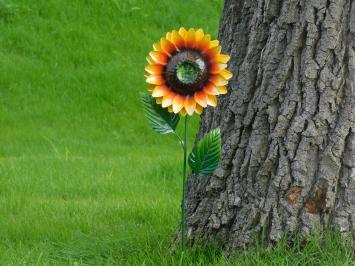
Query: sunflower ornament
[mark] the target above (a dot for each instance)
(185, 74)
(186, 71)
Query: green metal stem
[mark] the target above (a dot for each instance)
(183, 203)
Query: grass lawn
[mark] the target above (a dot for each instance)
(83, 179)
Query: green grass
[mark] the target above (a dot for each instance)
(83, 179)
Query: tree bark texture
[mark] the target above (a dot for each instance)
(287, 124)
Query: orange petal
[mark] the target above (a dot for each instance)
(216, 68)
(183, 112)
(167, 46)
(212, 100)
(211, 89)
(190, 104)
(146, 74)
(149, 60)
(222, 89)
(178, 103)
(213, 44)
(157, 47)
(201, 98)
(199, 35)
(218, 80)
(190, 38)
(168, 36)
(176, 39)
(204, 43)
(226, 74)
(159, 57)
(222, 58)
(183, 32)
(160, 91)
(168, 99)
(151, 87)
(155, 80)
(159, 100)
(198, 109)
(213, 52)
(154, 69)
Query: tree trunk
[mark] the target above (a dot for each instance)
(287, 123)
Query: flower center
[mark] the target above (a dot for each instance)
(187, 72)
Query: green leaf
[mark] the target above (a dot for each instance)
(205, 156)
(160, 119)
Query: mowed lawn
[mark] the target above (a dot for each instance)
(83, 179)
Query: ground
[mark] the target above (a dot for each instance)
(83, 179)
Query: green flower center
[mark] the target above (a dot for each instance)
(187, 72)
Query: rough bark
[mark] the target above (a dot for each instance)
(287, 123)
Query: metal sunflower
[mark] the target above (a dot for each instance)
(185, 74)
(187, 71)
